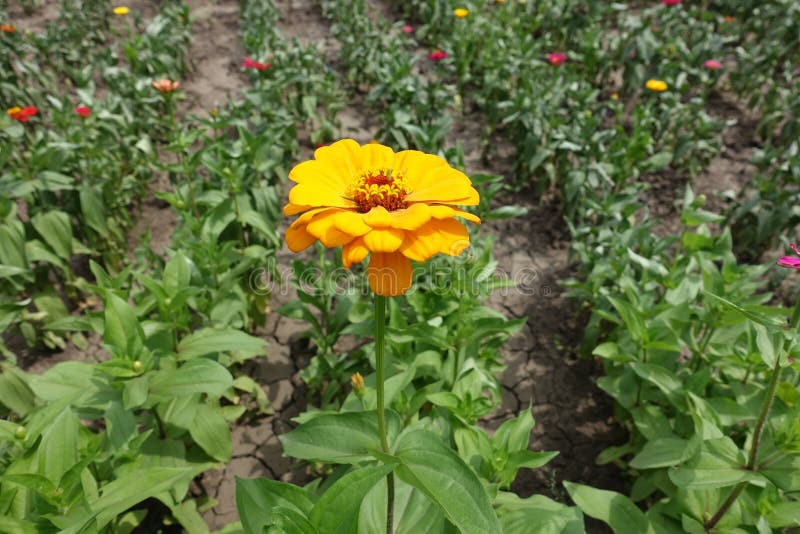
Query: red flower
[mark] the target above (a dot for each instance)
(408, 29)
(6, 28)
(791, 261)
(437, 55)
(22, 114)
(671, 2)
(556, 59)
(258, 65)
(83, 111)
(713, 64)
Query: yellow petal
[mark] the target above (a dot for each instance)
(384, 239)
(293, 209)
(315, 173)
(421, 244)
(298, 238)
(375, 156)
(454, 235)
(410, 218)
(445, 212)
(378, 217)
(310, 194)
(321, 226)
(450, 191)
(354, 252)
(414, 165)
(351, 223)
(438, 174)
(389, 274)
(344, 156)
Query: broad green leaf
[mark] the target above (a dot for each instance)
(195, 376)
(55, 229)
(122, 331)
(65, 380)
(120, 425)
(784, 514)
(414, 512)
(343, 438)
(337, 511)
(94, 210)
(537, 515)
(210, 430)
(257, 497)
(436, 470)
(211, 340)
(177, 274)
(631, 316)
(10, 525)
(764, 321)
(15, 391)
(58, 450)
(662, 452)
(610, 507)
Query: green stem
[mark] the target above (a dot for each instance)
(751, 460)
(380, 326)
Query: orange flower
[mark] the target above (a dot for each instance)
(22, 114)
(6, 28)
(165, 85)
(370, 200)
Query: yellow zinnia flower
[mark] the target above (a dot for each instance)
(121, 10)
(656, 85)
(368, 199)
(461, 12)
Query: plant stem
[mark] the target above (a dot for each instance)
(751, 460)
(380, 326)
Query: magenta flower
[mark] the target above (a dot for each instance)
(556, 59)
(792, 262)
(671, 2)
(252, 64)
(713, 64)
(408, 29)
(437, 55)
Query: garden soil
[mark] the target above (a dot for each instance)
(542, 371)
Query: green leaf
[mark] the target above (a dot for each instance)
(210, 430)
(257, 498)
(196, 376)
(56, 230)
(762, 320)
(537, 515)
(343, 438)
(662, 452)
(614, 509)
(414, 512)
(15, 391)
(9, 525)
(784, 514)
(337, 511)
(177, 274)
(213, 340)
(436, 470)
(122, 331)
(58, 450)
(94, 210)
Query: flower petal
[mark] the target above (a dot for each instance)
(384, 239)
(414, 165)
(389, 274)
(789, 261)
(455, 238)
(410, 218)
(321, 175)
(322, 227)
(351, 223)
(378, 217)
(354, 252)
(421, 244)
(294, 209)
(298, 238)
(343, 156)
(375, 156)
(448, 186)
(310, 194)
(446, 212)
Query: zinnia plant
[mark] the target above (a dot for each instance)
(6, 28)
(658, 86)
(83, 111)
(793, 262)
(165, 85)
(22, 114)
(460, 12)
(712, 64)
(394, 207)
(437, 55)
(121, 10)
(556, 59)
(257, 65)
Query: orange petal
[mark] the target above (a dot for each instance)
(293, 209)
(351, 223)
(354, 252)
(321, 226)
(378, 217)
(455, 237)
(384, 239)
(410, 218)
(422, 243)
(450, 191)
(446, 212)
(298, 238)
(389, 274)
(414, 165)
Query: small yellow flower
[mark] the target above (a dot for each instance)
(13, 111)
(357, 381)
(614, 96)
(461, 12)
(500, 1)
(121, 10)
(656, 85)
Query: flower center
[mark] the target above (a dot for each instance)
(379, 188)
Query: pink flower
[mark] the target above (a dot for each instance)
(671, 2)
(165, 85)
(713, 64)
(408, 29)
(791, 261)
(437, 55)
(258, 65)
(556, 59)
(83, 111)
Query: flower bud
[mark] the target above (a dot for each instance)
(357, 381)
(21, 432)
